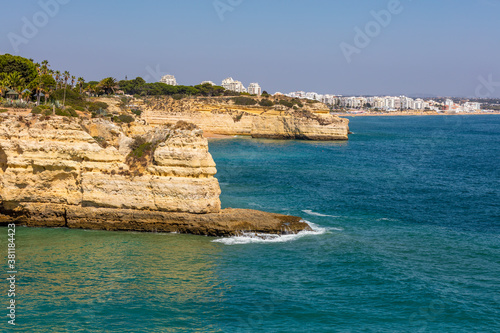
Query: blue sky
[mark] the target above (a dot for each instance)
(439, 47)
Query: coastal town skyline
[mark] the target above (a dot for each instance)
(382, 103)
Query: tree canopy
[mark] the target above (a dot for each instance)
(25, 67)
(138, 86)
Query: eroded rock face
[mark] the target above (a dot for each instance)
(252, 121)
(56, 161)
(93, 174)
(302, 127)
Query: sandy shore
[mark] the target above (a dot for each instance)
(210, 135)
(390, 114)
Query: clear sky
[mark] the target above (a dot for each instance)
(438, 47)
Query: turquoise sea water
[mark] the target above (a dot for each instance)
(407, 239)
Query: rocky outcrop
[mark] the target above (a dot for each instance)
(95, 174)
(302, 126)
(258, 122)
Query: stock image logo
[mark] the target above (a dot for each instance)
(31, 26)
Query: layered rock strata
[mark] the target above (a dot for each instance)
(256, 122)
(62, 172)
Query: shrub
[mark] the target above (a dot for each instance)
(3, 110)
(123, 118)
(67, 112)
(20, 105)
(73, 98)
(286, 103)
(71, 112)
(182, 125)
(138, 141)
(63, 113)
(102, 105)
(238, 117)
(98, 107)
(101, 141)
(144, 148)
(244, 100)
(137, 112)
(140, 147)
(266, 102)
(36, 110)
(178, 96)
(42, 109)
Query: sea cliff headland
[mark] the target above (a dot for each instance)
(60, 171)
(222, 116)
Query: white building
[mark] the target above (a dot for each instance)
(406, 102)
(233, 85)
(254, 89)
(353, 102)
(330, 99)
(311, 95)
(169, 79)
(297, 94)
(420, 104)
(378, 103)
(472, 106)
(389, 103)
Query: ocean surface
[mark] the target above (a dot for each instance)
(407, 239)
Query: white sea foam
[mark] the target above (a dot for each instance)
(310, 212)
(387, 219)
(252, 237)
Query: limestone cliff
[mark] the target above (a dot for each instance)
(59, 171)
(278, 122)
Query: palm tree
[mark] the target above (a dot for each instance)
(73, 78)
(66, 78)
(3, 87)
(96, 89)
(15, 81)
(26, 93)
(58, 76)
(36, 84)
(45, 67)
(108, 84)
(89, 89)
(47, 88)
(80, 82)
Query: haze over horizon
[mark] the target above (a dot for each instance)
(423, 47)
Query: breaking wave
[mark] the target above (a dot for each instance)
(310, 212)
(252, 237)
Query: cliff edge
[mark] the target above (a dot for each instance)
(94, 174)
(223, 116)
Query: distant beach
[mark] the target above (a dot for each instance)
(388, 114)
